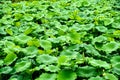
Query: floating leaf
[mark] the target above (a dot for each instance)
(116, 68)
(52, 68)
(46, 59)
(108, 21)
(45, 44)
(101, 28)
(22, 66)
(110, 47)
(115, 59)
(28, 31)
(10, 58)
(116, 25)
(1, 63)
(109, 76)
(47, 76)
(22, 39)
(28, 17)
(5, 70)
(90, 49)
(96, 78)
(86, 71)
(99, 39)
(99, 63)
(9, 31)
(66, 75)
(30, 51)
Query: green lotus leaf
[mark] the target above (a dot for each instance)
(99, 63)
(66, 75)
(101, 28)
(2, 30)
(52, 68)
(110, 47)
(116, 68)
(116, 25)
(109, 76)
(1, 63)
(99, 39)
(22, 39)
(10, 58)
(9, 31)
(22, 66)
(115, 59)
(9, 44)
(86, 71)
(46, 59)
(47, 76)
(62, 59)
(5, 70)
(69, 53)
(90, 49)
(45, 44)
(28, 17)
(30, 51)
(28, 31)
(96, 78)
(88, 27)
(108, 21)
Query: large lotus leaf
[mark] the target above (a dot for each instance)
(46, 59)
(5, 70)
(109, 76)
(116, 25)
(2, 30)
(74, 36)
(96, 78)
(47, 76)
(9, 31)
(110, 47)
(108, 21)
(28, 31)
(28, 17)
(22, 66)
(45, 44)
(99, 63)
(30, 51)
(9, 44)
(66, 75)
(1, 62)
(52, 68)
(99, 39)
(115, 59)
(10, 58)
(116, 68)
(90, 49)
(22, 39)
(101, 28)
(86, 71)
(69, 53)
(62, 59)
(88, 27)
